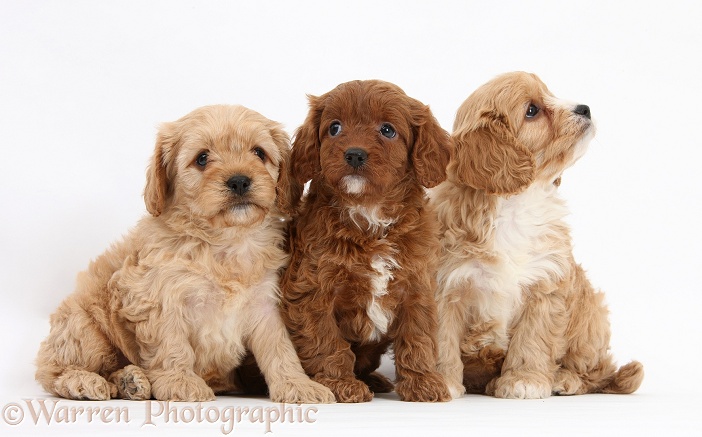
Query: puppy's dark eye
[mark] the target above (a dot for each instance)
(201, 159)
(335, 128)
(532, 110)
(387, 130)
(260, 153)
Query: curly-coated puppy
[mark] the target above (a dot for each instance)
(518, 317)
(171, 310)
(364, 246)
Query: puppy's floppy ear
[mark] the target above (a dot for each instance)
(158, 185)
(284, 185)
(306, 144)
(489, 157)
(304, 159)
(432, 148)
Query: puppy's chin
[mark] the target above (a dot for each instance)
(242, 214)
(580, 147)
(353, 184)
(588, 134)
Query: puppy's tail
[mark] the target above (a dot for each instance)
(626, 380)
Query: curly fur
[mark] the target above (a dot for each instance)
(170, 311)
(363, 247)
(518, 317)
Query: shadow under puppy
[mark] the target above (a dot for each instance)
(171, 310)
(518, 317)
(364, 246)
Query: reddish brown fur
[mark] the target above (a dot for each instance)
(339, 234)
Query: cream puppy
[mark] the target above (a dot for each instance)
(171, 310)
(517, 316)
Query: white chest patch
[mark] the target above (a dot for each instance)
(528, 239)
(371, 216)
(380, 317)
(528, 245)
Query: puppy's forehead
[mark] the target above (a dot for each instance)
(367, 101)
(512, 89)
(235, 135)
(230, 129)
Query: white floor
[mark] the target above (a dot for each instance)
(652, 411)
(644, 414)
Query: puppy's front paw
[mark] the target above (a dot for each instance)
(84, 385)
(520, 385)
(181, 387)
(456, 390)
(131, 383)
(348, 390)
(454, 382)
(302, 391)
(427, 387)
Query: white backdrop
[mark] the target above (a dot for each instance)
(84, 84)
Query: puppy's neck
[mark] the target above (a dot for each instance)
(214, 232)
(370, 215)
(477, 214)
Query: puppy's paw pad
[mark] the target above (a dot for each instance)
(181, 388)
(429, 387)
(348, 390)
(515, 386)
(132, 383)
(83, 385)
(302, 392)
(378, 383)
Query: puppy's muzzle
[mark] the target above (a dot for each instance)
(239, 184)
(356, 157)
(584, 111)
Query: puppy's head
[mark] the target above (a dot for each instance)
(365, 137)
(221, 164)
(512, 132)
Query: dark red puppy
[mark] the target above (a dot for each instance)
(363, 243)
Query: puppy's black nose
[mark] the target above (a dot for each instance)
(355, 157)
(239, 184)
(583, 110)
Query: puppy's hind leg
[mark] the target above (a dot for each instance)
(74, 359)
(131, 383)
(481, 367)
(587, 366)
(248, 377)
(368, 358)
